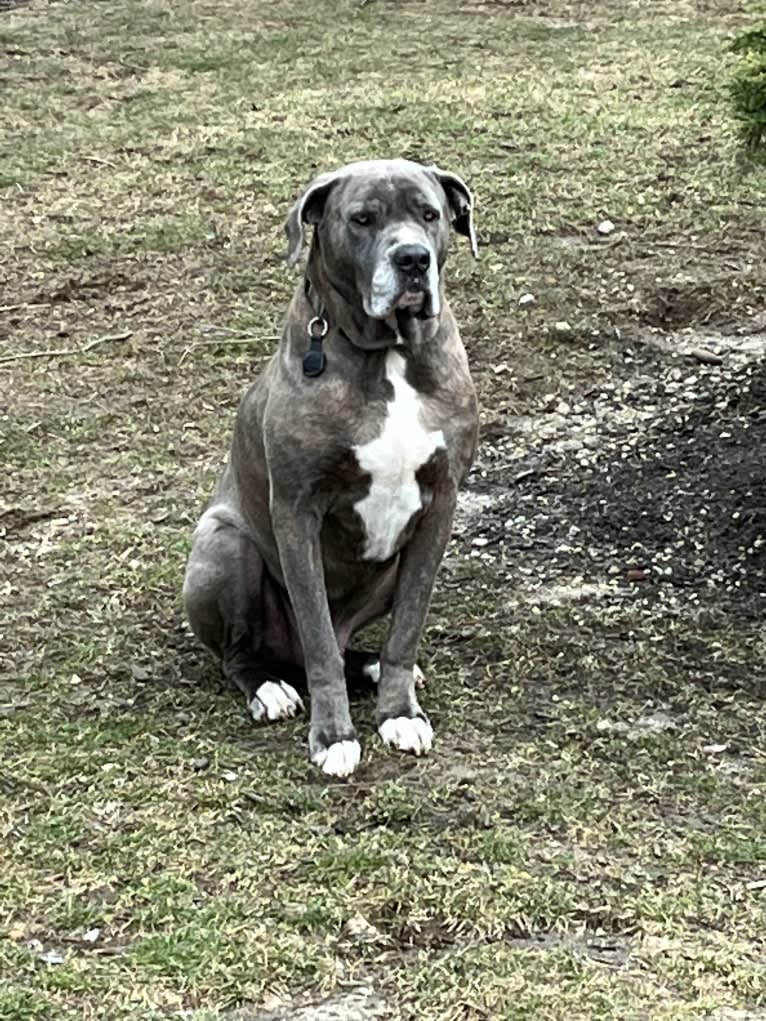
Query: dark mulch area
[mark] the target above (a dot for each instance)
(672, 503)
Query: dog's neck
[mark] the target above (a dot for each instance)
(345, 312)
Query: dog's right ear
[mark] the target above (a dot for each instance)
(308, 209)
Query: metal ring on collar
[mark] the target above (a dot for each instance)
(321, 323)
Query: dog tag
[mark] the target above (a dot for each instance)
(314, 360)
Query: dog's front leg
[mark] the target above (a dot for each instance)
(332, 739)
(401, 721)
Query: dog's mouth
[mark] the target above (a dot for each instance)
(416, 301)
(413, 299)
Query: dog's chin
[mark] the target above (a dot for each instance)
(417, 305)
(409, 304)
(411, 301)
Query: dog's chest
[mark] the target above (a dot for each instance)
(392, 460)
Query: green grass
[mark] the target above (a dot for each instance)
(543, 863)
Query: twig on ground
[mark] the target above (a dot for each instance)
(102, 162)
(682, 244)
(233, 340)
(66, 352)
(212, 328)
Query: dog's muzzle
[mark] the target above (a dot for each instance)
(412, 263)
(406, 279)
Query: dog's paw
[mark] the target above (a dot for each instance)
(275, 700)
(339, 759)
(372, 670)
(408, 734)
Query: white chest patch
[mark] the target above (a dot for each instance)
(392, 460)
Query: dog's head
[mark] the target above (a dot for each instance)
(381, 228)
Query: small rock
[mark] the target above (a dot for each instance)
(715, 749)
(527, 300)
(200, 763)
(611, 726)
(655, 723)
(52, 957)
(562, 328)
(605, 228)
(91, 935)
(273, 1002)
(705, 357)
(358, 927)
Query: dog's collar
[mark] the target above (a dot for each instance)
(314, 361)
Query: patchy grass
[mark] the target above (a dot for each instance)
(587, 840)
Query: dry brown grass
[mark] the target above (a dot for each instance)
(558, 856)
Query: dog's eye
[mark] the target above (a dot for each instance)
(361, 219)
(430, 214)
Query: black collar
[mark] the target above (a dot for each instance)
(314, 360)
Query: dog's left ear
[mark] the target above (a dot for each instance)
(308, 209)
(461, 203)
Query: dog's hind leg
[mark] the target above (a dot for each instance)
(361, 668)
(224, 599)
(364, 668)
(269, 698)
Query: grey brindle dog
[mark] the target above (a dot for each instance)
(337, 499)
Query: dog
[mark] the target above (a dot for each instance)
(337, 499)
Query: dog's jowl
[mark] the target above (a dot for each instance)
(337, 499)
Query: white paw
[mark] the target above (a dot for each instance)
(372, 670)
(340, 759)
(408, 735)
(275, 700)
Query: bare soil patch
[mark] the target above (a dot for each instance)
(654, 484)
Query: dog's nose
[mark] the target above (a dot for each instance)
(412, 258)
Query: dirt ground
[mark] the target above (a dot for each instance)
(650, 488)
(588, 838)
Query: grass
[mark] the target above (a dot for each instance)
(557, 856)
